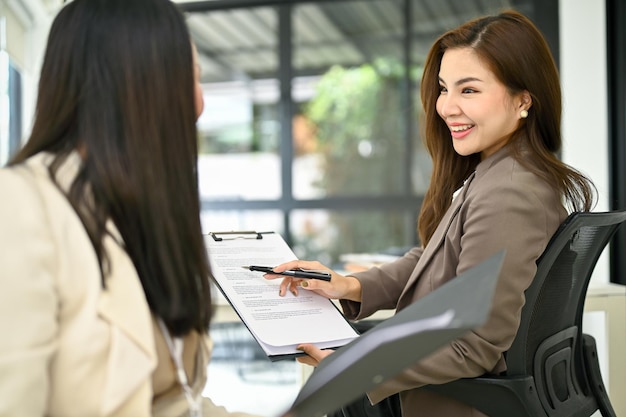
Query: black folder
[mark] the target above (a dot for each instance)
(400, 341)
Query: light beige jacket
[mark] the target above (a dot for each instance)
(501, 206)
(68, 346)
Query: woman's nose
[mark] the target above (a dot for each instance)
(447, 105)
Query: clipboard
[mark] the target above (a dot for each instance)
(278, 324)
(247, 234)
(413, 333)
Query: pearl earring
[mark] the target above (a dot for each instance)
(523, 114)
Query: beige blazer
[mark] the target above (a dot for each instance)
(70, 347)
(501, 206)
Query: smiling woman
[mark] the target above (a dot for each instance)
(478, 108)
(492, 105)
(493, 47)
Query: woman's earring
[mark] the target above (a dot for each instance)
(523, 114)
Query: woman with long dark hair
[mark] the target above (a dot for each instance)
(105, 300)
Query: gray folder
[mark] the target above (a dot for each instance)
(395, 344)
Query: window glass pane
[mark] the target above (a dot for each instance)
(352, 133)
(229, 220)
(239, 176)
(238, 130)
(328, 236)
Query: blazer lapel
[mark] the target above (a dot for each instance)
(123, 301)
(438, 236)
(132, 357)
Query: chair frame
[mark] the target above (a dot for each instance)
(527, 389)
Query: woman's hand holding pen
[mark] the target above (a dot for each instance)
(339, 286)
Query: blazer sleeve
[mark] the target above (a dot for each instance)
(382, 286)
(27, 295)
(520, 218)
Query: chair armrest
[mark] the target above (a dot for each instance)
(496, 396)
(594, 376)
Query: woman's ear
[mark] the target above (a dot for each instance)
(526, 101)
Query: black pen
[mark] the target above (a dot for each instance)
(296, 273)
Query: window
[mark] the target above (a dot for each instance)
(308, 118)
(10, 108)
(311, 119)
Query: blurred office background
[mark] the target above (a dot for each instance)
(311, 129)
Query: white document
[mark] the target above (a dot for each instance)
(278, 323)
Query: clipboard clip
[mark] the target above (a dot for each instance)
(246, 234)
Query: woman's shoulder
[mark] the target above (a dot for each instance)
(31, 199)
(505, 182)
(25, 175)
(32, 178)
(19, 186)
(506, 171)
(507, 190)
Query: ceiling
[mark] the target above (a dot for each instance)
(239, 39)
(242, 43)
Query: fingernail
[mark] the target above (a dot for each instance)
(294, 292)
(300, 348)
(280, 292)
(305, 284)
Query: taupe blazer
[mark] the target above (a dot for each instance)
(502, 205)
(68, 346)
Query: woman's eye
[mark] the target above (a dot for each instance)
(468, 90)
(442, 89)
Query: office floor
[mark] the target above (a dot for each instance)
(241, 378)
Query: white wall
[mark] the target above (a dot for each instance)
(585, 107)
(12, 33)
(584, 82)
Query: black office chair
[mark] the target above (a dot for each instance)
(553, 368)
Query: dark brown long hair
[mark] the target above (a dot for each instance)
(117, 83)
(520, 58)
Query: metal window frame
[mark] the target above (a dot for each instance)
(544, 14)
(15, 109)
(616, 65)
(408, 203)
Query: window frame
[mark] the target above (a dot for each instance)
(544, 14)
(616, 67)
(408, 203)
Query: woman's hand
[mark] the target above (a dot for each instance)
(339, 286)
(314, 354)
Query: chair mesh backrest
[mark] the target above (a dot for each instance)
(555, 299)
